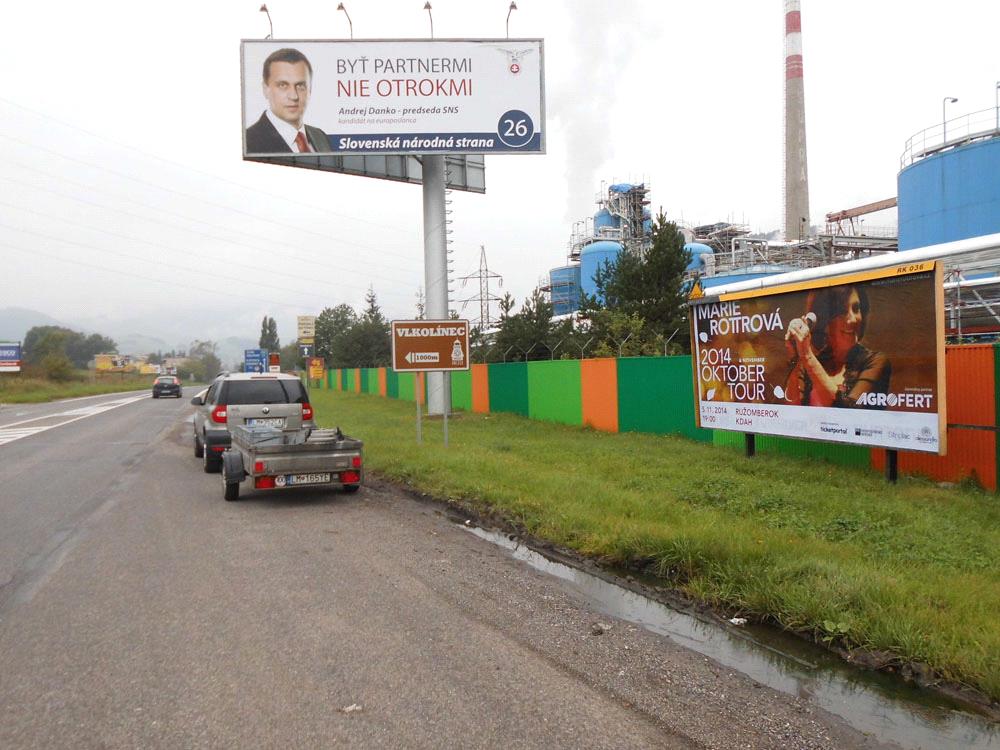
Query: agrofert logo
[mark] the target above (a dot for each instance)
(892, 400)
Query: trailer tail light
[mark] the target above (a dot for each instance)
(218, 448)
(258, 467)
(350, 477)
(356, 462)
(219, 414)
(264, 483)
(307, 411)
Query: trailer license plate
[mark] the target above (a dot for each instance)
(266, 422)
(296, 479)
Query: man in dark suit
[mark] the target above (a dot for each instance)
(280, 129)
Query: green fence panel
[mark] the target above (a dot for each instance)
(331, 379)
(461, 390)
(656, 394)
(391, 383)
(554, 391)
(364, 371)
(509, 387)
(349, 380)
(404, 388)
(835, 453)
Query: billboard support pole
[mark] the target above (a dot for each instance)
(891, 465)
(435, 267)
(750, 439)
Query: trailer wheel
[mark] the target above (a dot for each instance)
(199, 449)
(351, 488)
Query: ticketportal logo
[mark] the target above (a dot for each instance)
(891, 400)
(832, 429)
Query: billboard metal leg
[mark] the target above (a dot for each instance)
(751, 444)
(435, 266)
(891, 465)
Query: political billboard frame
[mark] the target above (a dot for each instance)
(468, 114)
(854, 358)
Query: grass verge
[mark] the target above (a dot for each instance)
(28, 390)
(910, 571)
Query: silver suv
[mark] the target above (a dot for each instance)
(276, 399)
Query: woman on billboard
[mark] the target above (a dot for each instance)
(829, 366)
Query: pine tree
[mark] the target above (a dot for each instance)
(269, 335)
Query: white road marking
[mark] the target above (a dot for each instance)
(8, 433)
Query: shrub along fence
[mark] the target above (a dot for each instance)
(656, 394)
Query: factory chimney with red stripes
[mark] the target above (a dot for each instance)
(796, 172)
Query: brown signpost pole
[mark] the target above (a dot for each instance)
(422, 346)
(417, 396)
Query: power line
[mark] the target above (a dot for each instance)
(340, 268)
(267, 272)
(159, 264)
(181, 193)
(105, 269)
(118, 144)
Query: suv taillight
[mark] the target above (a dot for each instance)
(307, 411)
(219, 414)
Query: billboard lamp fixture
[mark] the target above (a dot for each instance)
(511, 9)
(427, 7)
(263, 9)
(340, 6)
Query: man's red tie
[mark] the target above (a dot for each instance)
(300, 142)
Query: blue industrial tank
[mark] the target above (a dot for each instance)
(603, 218)
(564, 283)
(698, 251)
(621, 187)
(592, 257)
(950, 195)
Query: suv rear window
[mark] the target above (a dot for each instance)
(263, 392)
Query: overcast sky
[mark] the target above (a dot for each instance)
(125, 201)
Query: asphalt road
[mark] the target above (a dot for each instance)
(139, 609)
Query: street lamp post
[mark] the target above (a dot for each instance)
(944, 121)
(427, 7)
(340, 6)
(263, 9)
(511, 9)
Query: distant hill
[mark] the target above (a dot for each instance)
(167, 333)
(15, 322)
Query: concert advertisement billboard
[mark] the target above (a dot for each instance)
(856, 358)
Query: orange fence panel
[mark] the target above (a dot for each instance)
(481, 389)
(381, 382)
(599, 393)
(970, 385)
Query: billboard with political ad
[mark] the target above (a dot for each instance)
(856, 358)
(396, 96)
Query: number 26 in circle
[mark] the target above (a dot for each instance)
(515, 128)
